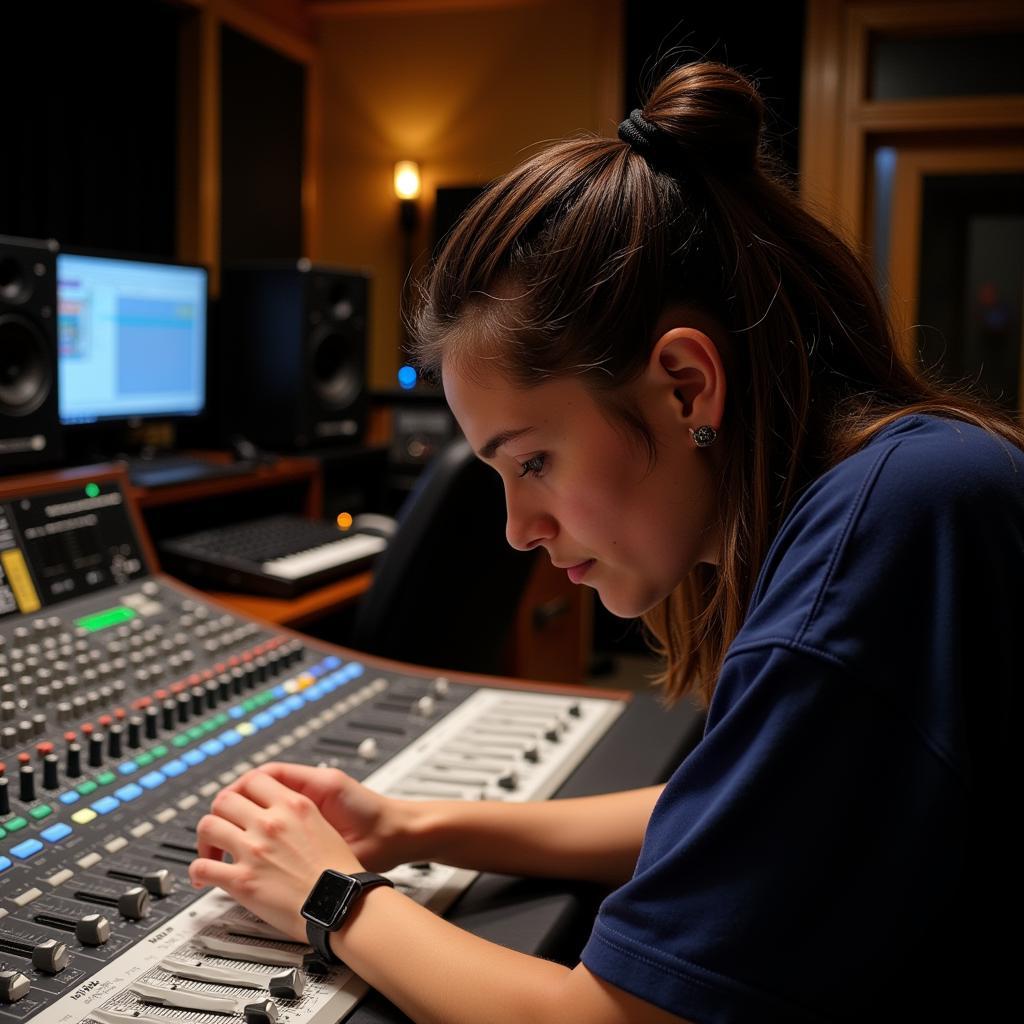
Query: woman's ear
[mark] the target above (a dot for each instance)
(685, 364)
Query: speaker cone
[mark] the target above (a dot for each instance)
(25, 373)
(15, 286)
(336, 373)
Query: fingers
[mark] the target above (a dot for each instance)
(264, 790)
(216, 835)
(236, 808)
(316, 783)
(203, 871)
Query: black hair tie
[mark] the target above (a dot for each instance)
(643, 136)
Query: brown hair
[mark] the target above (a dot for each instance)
(563, 266)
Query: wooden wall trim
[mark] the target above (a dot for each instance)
(361, 8)
(820, 98)
(238, 15)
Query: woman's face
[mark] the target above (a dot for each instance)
(580, 486)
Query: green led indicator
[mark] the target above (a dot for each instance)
(92, 490)
(105, 619)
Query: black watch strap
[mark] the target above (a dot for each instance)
(320, 938)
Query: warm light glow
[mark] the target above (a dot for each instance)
(344, 520)
(407, 179)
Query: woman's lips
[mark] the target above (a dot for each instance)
(577, 572)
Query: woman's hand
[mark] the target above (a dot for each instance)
(279, 842)
(376, 827)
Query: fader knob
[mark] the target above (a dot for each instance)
(74, 765)
(134, 732)
(50, 956)
(184, 707)
(134, 903)
(5, 800)
(168, 714)
(95, 749)
(263, 1012)
(368, 749)
(151, 721)
(13, 986)
(27, 784)
(92, 930)
(289, 985)
(50, 764)
(114, 736)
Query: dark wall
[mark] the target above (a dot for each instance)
(91, 123)
(764, 41)
(262, 140)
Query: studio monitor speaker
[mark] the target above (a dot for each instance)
(29, 417)
(293, 347)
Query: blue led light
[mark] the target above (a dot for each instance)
(193, 757)
(5, 863)
(237, 712)
(174, 768)
(127, 768)
(152, 780)
(229, 737)
(70, 797)
(212, 747)
(407, 377)
(106, 804)
(130, 792)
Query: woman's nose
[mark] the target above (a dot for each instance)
(526, 527)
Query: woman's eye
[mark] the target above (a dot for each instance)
(533, 466)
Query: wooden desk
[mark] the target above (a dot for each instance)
(300, 610)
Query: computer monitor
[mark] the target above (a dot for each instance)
(132, 338)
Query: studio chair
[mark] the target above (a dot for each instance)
(446, 590)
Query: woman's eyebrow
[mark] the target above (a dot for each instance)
(489, 450)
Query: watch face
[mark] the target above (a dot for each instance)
(326, 903)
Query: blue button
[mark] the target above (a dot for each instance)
(70, 797)
(295, 702)
(355, 669)
(280, 710)
(279, 690)
(229, 737)
(27, 849)
(212, 747)
(130, 792)
(332, 661)
(128, 767)
(152, 780)
(106, 804)
(5, 863)
(263, 719)
(193, 757)
(174, 768)
(56, 832)
(236, 711)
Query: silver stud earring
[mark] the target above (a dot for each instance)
(703, 436)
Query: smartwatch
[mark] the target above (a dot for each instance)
(330, 902)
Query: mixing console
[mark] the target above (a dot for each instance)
(127, 701)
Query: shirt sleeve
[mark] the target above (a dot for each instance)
(793, 860)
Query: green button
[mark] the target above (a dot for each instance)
(106, 778)
(143, 759)
(220, 720)
(180, 741)
(87, 787)
(159, 751)
(249, 705)
(41, 811)
(14, 824)
(2, 833)
(209, 727)
(195, 732)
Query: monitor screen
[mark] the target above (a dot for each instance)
(131, 338)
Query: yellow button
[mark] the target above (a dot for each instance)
(84, 816)
(245, 728)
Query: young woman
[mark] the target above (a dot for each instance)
(697, 407)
